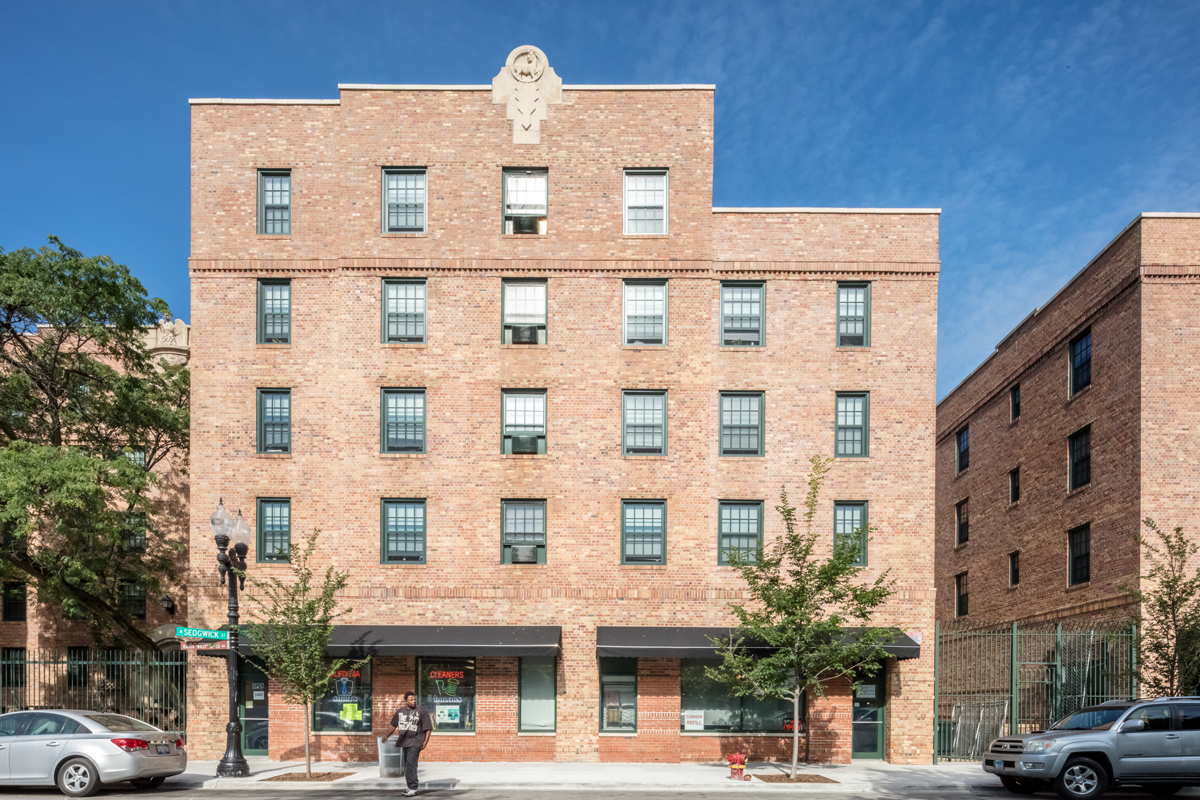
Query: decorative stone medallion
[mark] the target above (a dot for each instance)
(526, 86)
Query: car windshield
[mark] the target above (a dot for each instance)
(1089, 719)
(117, 722)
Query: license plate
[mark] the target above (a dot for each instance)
(162, 749)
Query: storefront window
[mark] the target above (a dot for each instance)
(446, 688)
(708, 705)
(618, 694)
(537, 691)
(346, 704)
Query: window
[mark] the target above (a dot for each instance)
(1079, 453)
(645, 312)
(1014, 402)
(962, 443)
(404, 200)
(850, 522)
(275, 202)
(12, 669)
(403, 421)
(274, 420)
(644, 432)
(740, 531)
(133, 601)
(525, 200)
(962, 523)
(854, 315)
(538, 694)
(742, 423)
(1189, 716)
(742, 314)
(78, 671)
(274, 312)
(274, 529)
(1079, 543)
(135, 531)
(524, 312)
(960, 594)
(524, 532)
(852, 422)
(524, 428)
(14, 602)
(136, 455)
(404, 304)
(402, 532)
(643, 532)
(1014, 568)
(1081, 362)
(1156, 717)
(707, 705)
(618, 694)
(1014, 485)
(346, 703)
(446, 687)
(645, 201)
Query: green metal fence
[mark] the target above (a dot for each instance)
(149, 686)
(997, 680)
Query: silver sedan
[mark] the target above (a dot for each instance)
(80, 750)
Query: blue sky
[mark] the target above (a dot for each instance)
(1041, 129)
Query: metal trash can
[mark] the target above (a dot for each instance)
(391, 759)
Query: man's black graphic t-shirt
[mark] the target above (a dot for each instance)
(411, 724)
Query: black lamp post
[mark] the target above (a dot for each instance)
(233, 763)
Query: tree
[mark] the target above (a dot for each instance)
(809, 611)
(85, 420)
(1168, 614)
(290, 625)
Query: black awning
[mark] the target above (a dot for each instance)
(656, 642)
(360, 641)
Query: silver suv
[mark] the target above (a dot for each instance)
(1150, 743)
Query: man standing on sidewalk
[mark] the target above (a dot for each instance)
(415, 727)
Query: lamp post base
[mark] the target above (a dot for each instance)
(233, 764)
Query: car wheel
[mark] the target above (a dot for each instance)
(1081, 779)
(1164, 789)
(149, 783)
(78, 777)
(1020, 785)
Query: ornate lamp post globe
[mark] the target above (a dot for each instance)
(226, 528)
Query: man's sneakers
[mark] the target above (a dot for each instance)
(410, 793)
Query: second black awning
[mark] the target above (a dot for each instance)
(360, 641)
(659, 642)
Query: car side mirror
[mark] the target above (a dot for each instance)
(1133, 726)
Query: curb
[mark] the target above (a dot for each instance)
(349, 785)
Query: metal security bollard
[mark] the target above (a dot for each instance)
(391, 760)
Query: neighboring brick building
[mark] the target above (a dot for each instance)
(364, 272)
(1080, 425)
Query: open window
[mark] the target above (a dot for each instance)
(524, 311)
(526, 200)
(524, 429)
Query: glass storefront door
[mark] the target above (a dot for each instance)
(870, 707)
(252, 706)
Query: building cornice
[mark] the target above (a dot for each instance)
(729, 210)
(416, 87)
(238, 101)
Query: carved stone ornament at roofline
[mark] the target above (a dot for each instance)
(526, 86)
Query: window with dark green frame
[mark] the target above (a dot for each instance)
(1079, 455)
(274, 312)
(742, 314)
(14, 602)
(852, 424)
(275, 202)
(404, 200)
(853, 314)
(739, 530)
(643, 532)
(523, 532)
(850, 522)
(962, 523)
(537, 693)
(742, 426)
(523, 305)
(1079, 555)
(708, 705)
(133, 601)
(402, 532)
(135, 531)
(402, 421)
(274, 420)
(404, 308)
(618, 695)
(644, 432)
(78, 671)
(274, 520)
(1081, 361)
(12, 667)
(523, 422)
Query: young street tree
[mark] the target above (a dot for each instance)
(85, 419)
(290, 625)
(811, 612)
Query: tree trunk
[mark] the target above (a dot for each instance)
(307, 737)
(795, 732)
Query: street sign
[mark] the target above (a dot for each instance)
(200, 633)
(205, 644)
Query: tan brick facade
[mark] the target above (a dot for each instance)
(335, 367)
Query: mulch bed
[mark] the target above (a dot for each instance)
(316, 776)
(802, 777)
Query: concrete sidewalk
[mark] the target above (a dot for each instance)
(557, 776)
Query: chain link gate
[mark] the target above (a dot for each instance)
(997, 680)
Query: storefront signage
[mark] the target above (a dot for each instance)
(200, 633)
(693, 720)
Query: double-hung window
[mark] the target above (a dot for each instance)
(135, 531)
(643, 532)
(962, 522)
(12, 675)
(960, 595)
(274, 312)
(742, 314)
(1014, 485)
(853, 315)
(274, 529)
(742, 425)
(524, 312)
(1014, 402)
(404, 200)
(645, 201)
(133, 601)
(14, 602)
(402, 532)
(275, 202)
(1081, 361)
(403, 420)
(523, 534)
(850, 523)
(645, 423)
(404, 303)
(526, 200)
(740, 531)
(78, 666)
(524, 427)
(852, 425)
(1079, 547)
(1014, 568)
(962, 447)
(274, 420)
(645, 312)
(1079, 454)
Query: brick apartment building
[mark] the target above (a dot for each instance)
(1080, 424)
(497, 345)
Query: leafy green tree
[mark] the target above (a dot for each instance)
(290, 625)
(87, 424)
(801, 606)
